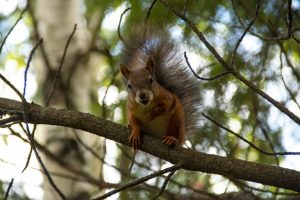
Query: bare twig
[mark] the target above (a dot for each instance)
(185, 7)
(289, 63)
(262, 190)
(30, 152)
(119, 25)
(60, 65)
(163, 187)
(268, 139)
(132, 162)
(141, 180)
(8, 189)
(5, 80)
(264, 131)
(285, 84)
(202, 78)
(37, 35)
(232, 61)
(290, 19)
(296, 39)
(213, 196)
(25, 117)
(12, 118)
(30, 135)
(11, 29)
(70, 177)
(149, 12)
(28, 64)
(252, 145)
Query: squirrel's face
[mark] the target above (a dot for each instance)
(140, 83)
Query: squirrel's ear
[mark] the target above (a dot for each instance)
(124, 70)
(150, 65)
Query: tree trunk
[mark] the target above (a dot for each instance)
(75, 86)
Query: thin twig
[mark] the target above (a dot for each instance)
(11, 29)
(185, 7)
(296, 39)
(25, 118)
(290, 19)
(284, 83)
(132, 162)
(30, 135)
(5, 80)
(60, 65)
(69, 177)
(12, 118)
(149, 12)
(264, 131)
(30, 152)
(163, 187)
(268, 139)
(96, 155)
(262, 190)
(243, 139)
(202, 78)
(244, 33)
(289, 62)
(8, 189)
(28, 64)
(112, 81)
(119, 25)
(37, 35)
(141, 180)
(213, 196)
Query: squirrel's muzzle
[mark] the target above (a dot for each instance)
(143, 97)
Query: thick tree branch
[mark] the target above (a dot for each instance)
(195, 161)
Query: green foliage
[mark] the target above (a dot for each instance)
(226, 99)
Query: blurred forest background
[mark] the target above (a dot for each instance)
(76, 67)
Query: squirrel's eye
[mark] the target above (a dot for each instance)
(129, 86)
(151, 80)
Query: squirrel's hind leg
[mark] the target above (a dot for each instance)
(175, 129)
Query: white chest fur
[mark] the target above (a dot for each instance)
(156, 127)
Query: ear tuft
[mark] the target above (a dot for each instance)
(150, 65)
(124, 70)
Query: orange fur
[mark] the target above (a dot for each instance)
(164, 104)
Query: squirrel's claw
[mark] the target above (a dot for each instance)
(170, 140)
(134, 140)
(149, 117)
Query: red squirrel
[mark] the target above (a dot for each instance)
(163, 95)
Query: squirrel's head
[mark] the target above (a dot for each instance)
(140, 82)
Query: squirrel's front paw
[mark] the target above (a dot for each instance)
(134, 140)
(150, 117)
(169, 140)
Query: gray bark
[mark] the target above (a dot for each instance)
(56, 20)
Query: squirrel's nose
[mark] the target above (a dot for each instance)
(142, 95)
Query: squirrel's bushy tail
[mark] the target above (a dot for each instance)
(171, 70)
